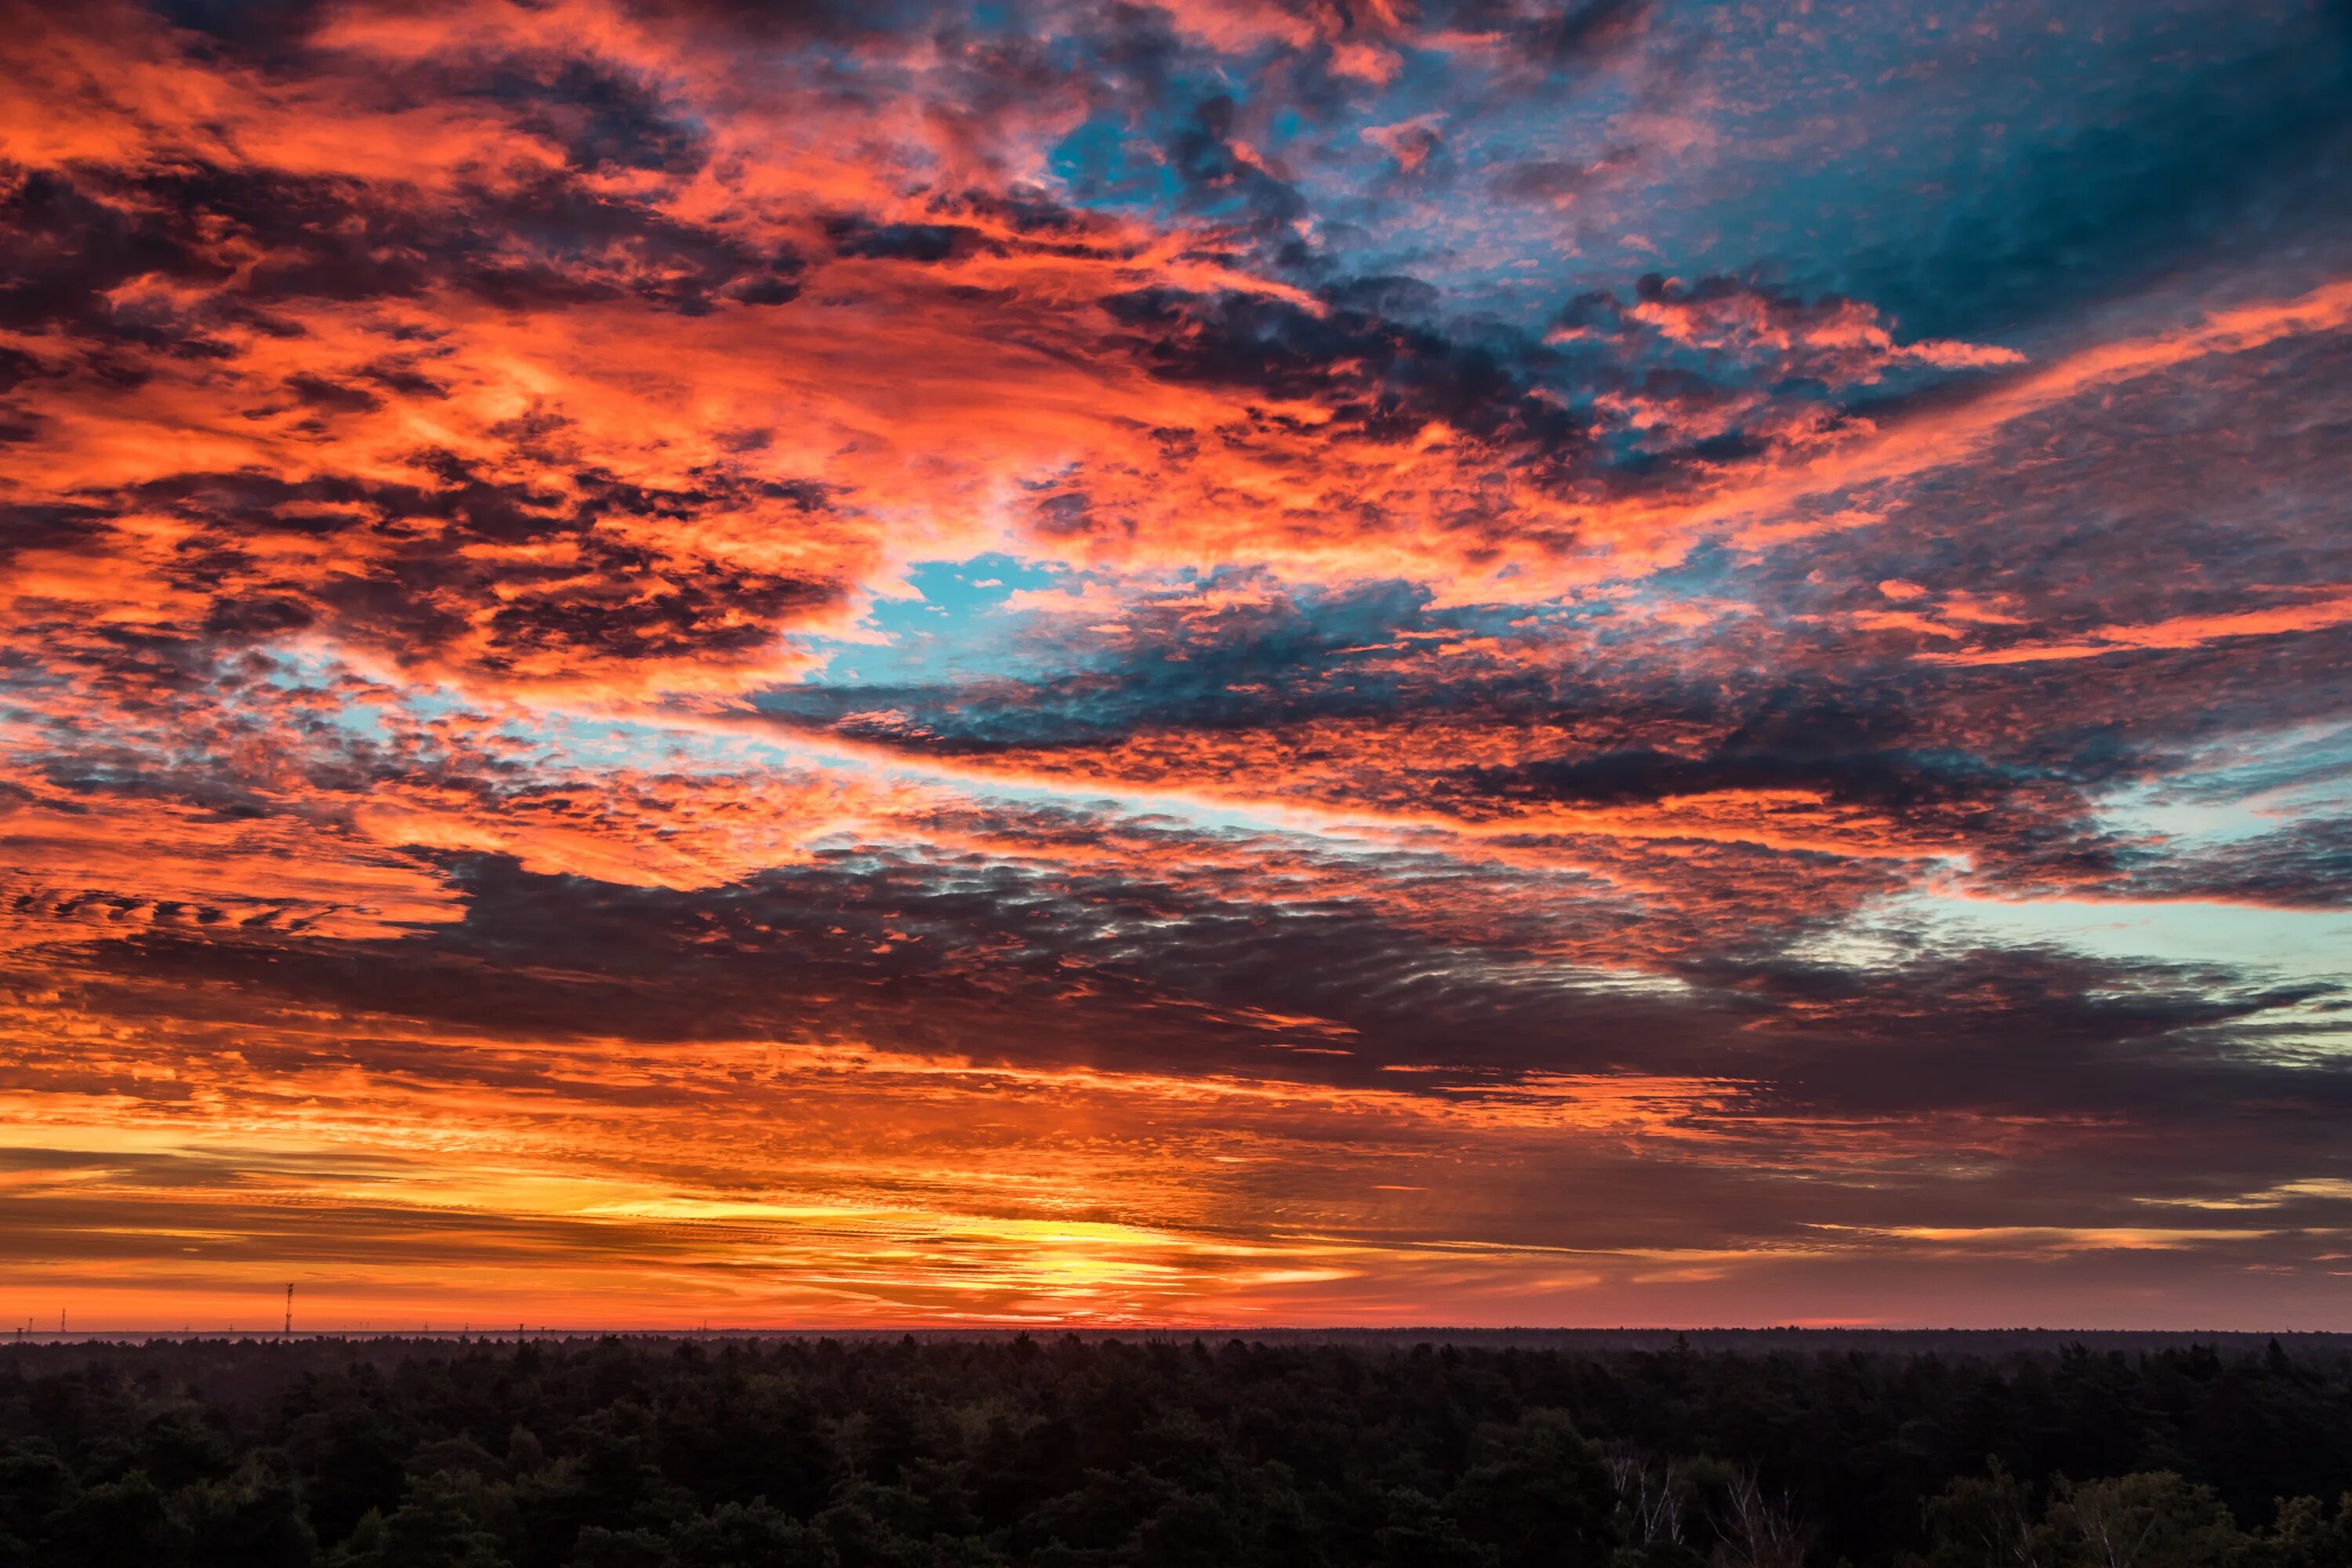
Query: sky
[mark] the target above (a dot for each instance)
(1485, 662)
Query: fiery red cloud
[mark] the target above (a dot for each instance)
(1485, 662)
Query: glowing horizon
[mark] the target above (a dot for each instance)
(1495, 662)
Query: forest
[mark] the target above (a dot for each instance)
(1062, 1452)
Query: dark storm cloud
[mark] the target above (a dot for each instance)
(1556, 37)
(1171, 666)
(1219, 180)
(428, 573)
(903, 241)
(2035, 225)
(63, 252)
(826, 20)
(911, 956)
(1626, 392)
(1385, 379)
(1807, 756)
(271, 30)
(2306, 866)
(601, 118)
(547, 241)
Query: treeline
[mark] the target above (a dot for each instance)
(1063, 1454)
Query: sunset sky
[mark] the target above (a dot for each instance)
(865, 662)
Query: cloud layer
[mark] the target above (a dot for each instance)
(1483, 662)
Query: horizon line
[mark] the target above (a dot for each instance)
(26, 1335)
